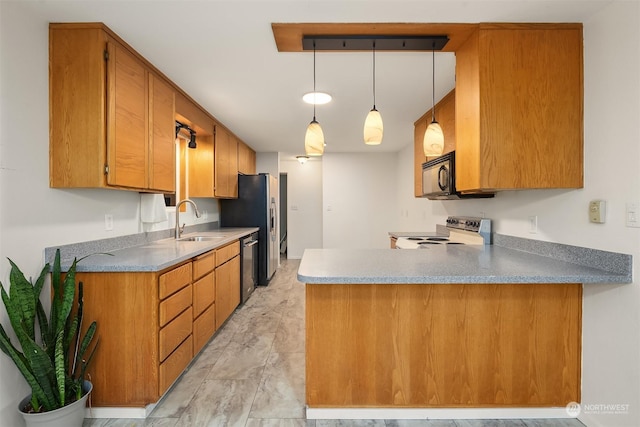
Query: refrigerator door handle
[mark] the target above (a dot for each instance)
(273, 217)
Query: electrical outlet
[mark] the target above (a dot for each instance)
(597, 211)
(533, 224)
(108, 222)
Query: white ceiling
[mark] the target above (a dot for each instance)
(223, 54)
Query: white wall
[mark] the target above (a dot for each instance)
(304, 200)
(356, 193)
(32, 215)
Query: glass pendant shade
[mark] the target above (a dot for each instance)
(433, 143)
(314, 139)
(373, 128)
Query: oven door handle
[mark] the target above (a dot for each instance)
(443, 178)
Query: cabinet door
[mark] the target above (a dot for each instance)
(162, 136)
(77, 107)
(127, 135)
(226, 164)
(200, 170)
(204, 291)
(246, 159)
(201, 179)
(227, 289)
(519, 107)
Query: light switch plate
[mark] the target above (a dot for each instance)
(597, 211)
(633, 214)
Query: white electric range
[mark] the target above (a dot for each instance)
(462, 231)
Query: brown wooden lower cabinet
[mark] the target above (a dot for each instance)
(443, 345)
(203, 328)
(152, 324)
(227, 281)
(173, 365)
(204, 307)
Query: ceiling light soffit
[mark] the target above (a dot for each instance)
(389, 43)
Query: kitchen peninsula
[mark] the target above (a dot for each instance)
(398, 333)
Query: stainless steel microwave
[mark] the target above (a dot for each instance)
(439, 180)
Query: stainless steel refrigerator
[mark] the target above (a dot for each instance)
(256, 206)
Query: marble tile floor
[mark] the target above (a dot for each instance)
(251, 374)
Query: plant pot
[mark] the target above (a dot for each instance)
(71, 415)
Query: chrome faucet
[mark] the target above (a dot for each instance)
(179, 229)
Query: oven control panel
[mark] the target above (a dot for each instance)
(477, 225)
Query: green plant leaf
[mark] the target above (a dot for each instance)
(56, 279)
(44, 329)
(23, 293)
(60, 367)
(66, 298)
(76, 354)
(86, 341)
(42, 370)
(85, 363)
(19, 290)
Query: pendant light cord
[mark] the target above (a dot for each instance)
(374, 75)
(314, 81)
(433, 85)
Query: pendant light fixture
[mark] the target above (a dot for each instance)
(314, 138)
(433, 143)
(373, 128)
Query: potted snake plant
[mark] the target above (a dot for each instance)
(54, 354)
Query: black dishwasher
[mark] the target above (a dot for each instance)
(249, 276)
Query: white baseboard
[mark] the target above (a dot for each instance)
(434, 413)
(117, 412)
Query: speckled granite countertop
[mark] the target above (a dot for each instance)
(159, 254)
(448, 264)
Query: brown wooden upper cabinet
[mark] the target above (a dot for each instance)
(200, 164)
(246, 159)
(111, 114)
(226, 163)
(515, 118)
(519, 108)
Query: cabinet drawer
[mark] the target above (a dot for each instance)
(203, 264)
(171, 368)
(174, 280)
(225, 253)
(174, 333)
(203, 328)
(204, 292)
(174, 305)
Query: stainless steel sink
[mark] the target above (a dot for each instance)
(199, 238)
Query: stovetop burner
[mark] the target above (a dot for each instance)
(462, 231)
